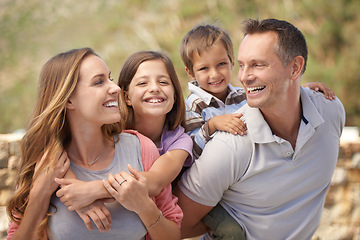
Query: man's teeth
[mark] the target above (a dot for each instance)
(255, 89)
(111, 104)
(155, 100)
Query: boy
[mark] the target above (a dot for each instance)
(208, 56)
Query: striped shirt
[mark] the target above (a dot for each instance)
(201, 106)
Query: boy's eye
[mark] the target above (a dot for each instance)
(203, 68)
(222, 63)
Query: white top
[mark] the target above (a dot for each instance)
(272, 191)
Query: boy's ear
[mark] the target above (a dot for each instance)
(69, 104)
(188, 72)
(127, 99)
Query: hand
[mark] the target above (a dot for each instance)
(318, 86)
(43, 181)
(76, 194)
(100, 215)
(131, 193)
(228, 122)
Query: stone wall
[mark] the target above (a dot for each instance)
(341, 215)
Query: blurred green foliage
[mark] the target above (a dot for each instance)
(32, 31)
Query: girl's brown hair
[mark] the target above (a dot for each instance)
(176, 116)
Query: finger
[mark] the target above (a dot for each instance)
(119, 179)
(96, 219)
(104, 221)
(107, 214)
(110, 189)
(136, 173)
(87, 221)
(238, 115)
(65, 181)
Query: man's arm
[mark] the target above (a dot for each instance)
(191, 225)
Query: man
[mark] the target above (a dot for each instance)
(272, 181)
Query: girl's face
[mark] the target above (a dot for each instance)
(95, 98)
(151, 93)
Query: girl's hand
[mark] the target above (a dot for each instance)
(43, 181)
(129, 190)
(100, 215)
(76, 194)
(318, 86)
(228, 122)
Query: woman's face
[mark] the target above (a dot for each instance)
(95, 98)
(151, 92)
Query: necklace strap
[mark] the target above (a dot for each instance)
(89, 163)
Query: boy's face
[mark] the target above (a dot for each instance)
(212, 70)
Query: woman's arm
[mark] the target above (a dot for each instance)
(131, 192)
(39, 197)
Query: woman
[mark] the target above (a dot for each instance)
(77, 110)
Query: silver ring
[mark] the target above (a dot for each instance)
(124, 180)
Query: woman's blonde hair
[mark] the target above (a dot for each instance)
(176, 116)
(48, 129)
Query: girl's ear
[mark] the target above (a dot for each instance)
(188, 72)
(127, 99)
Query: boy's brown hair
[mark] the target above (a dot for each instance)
(201, 38)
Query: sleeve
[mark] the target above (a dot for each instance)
(165, 201)
(196, 126)
(224, 161)
(11, 230)
(178, 139)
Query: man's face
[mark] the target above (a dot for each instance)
(265, 79)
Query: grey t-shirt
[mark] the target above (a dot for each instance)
(65, 225)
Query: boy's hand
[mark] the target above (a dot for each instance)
(99, 214)
(318, 86)
(228, 122)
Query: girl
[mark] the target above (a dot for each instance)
(77, 109)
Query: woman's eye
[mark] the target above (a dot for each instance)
(99, 82)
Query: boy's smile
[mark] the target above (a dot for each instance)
(212, 70)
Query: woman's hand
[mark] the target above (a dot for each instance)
(43, 181)
(129, 190)
(100, 215)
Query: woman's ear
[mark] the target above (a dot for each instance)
(69, 104)
(127, 99)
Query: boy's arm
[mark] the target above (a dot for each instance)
(229, 123)
(318, 86)
(164, 170)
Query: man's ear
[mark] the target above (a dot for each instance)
(188, 72)
(127, 99)
(297, 65)
(69, 104)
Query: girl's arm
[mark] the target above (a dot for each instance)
(164, 170)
